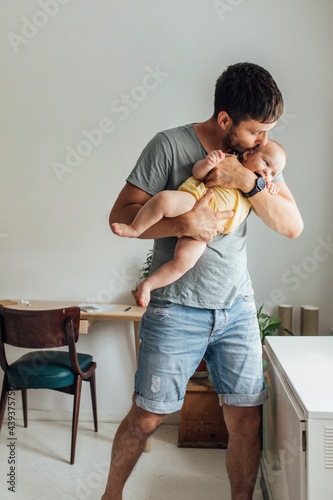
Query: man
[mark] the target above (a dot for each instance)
(210, 311)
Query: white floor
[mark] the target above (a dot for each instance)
(42, 470)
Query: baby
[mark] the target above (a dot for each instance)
(267, 161)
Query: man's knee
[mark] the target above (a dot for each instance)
(143, 423)
(242, 422)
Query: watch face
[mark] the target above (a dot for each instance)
(261, 183)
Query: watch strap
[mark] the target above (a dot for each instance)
(260, 185)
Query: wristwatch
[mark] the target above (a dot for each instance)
(260, 185)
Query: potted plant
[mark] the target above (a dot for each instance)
(144, 274)
(269, 325)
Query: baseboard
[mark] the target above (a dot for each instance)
(66, 416)
(264, 482)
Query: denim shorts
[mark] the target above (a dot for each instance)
(174, 339)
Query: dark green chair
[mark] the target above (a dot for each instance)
(47, 368)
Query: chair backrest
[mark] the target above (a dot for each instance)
(39, 329)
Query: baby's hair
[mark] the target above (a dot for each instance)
(279, 146)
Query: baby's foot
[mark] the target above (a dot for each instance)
(144, 293)
(214, 157)
(124, 230)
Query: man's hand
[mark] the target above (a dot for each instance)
(230, 173)
(202, 223)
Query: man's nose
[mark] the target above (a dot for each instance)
(262, 139)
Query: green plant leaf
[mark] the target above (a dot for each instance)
(268, 325)
(146, 265)
(274, 322)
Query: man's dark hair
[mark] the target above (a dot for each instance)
(247, 91)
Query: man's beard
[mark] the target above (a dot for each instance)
(232, 142)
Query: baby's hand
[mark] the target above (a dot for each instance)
(272, 188)
(214, 157)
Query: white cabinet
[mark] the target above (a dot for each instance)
(297, 458)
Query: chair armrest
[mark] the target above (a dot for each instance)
(69, 328)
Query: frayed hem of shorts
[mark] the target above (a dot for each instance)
(243, 399)
(155, 406)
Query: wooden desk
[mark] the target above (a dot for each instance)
(122, 312)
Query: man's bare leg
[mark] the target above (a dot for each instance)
(243, 449)
(127, 448)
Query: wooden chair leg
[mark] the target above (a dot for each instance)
(94, 399)
(76, 408)
(3, 400)
(24, 407)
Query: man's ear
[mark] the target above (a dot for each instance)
(224, 120)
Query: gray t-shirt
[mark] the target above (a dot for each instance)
(220, 277)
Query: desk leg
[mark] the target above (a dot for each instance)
(147, 447)
(136, 339)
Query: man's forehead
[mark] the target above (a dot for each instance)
(256, 126)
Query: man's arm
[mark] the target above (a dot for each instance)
(278, 212)
(200, 223)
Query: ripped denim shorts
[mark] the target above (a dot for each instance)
(174, 339)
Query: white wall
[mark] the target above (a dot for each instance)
(70, 74)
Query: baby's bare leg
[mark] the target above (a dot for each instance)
(187, 253)
(163, 204)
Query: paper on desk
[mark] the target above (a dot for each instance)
(96, 308)
(8, 303)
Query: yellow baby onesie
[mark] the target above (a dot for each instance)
(223, 199)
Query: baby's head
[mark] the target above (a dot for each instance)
(267, 161)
